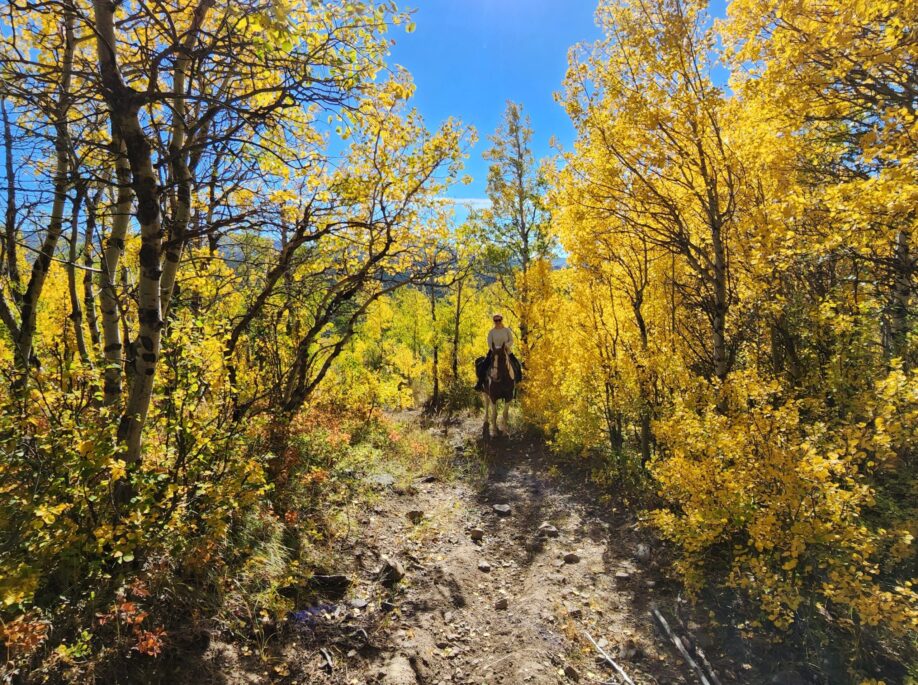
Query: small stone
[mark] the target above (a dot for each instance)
(502, 509)
(477, 534)
(574, 612)
(571, 673)
(359, 603)
(484, 567)
(571, 558)
(622, 575)
(642, 552)
(548, 531)
(415, 516)
(501, 604)
(390, 572)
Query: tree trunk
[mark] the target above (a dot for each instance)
(76, 309)
(435, 357)
(901, 295)
(644, 417)
(55, 225)
(12, 264)
(457, 320)
(613, 420)
(89, 295)
(113, 347)
(124, 105)
(179, 163)
(646, 436)
(719, 315)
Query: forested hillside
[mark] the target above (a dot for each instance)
(230, 256)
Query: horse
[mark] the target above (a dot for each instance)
(500, 384)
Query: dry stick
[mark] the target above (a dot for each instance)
(611, 661)
(679, 646)
(702, 657)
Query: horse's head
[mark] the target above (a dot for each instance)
(502, 364)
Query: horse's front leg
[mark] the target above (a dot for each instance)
(506, 416)
(486, 400)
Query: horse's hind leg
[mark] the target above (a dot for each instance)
(506, 416)
(486, 429)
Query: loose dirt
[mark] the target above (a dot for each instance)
(496, 594)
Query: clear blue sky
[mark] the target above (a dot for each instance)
(468, 57)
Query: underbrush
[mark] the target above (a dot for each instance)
(209, 544)
(796, 521)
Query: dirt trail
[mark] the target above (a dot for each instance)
(512, 607)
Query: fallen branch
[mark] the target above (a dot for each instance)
(679, 646)
(611, 661)
(702, 657)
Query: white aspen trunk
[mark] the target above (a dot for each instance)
(55, 225)
(124, 105)
(76, 307)
(12, 265)
(89, 294)
(178, 163)
(113, 348)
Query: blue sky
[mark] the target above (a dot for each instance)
(468, 57)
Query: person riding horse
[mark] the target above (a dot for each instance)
(499, 336)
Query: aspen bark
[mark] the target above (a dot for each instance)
(113, 347)
(457, 320)
(12, 264)
(178, 162)
(76, 306)
(124, 104)
(89, 294)
(42, 262)
(719, 315)
(435, 357)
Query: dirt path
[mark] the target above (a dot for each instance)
(551, 565)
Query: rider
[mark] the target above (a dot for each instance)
(497, 336)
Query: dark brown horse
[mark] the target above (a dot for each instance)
(499, 384)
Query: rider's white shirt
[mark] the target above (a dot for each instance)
(499, 336)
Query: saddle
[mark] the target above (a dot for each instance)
(482, 364)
